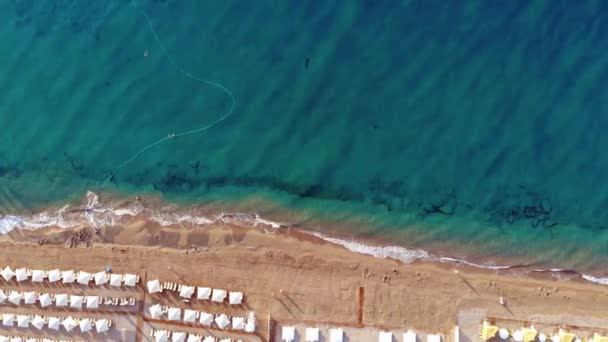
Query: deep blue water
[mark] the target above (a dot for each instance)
(477, 126)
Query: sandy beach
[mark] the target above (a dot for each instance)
(290, 277)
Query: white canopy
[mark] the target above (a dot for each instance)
(38, 322)
(206, 318)
(83, 278)
(235, 298)
(102, 325)
(312, 334)
(3, 296)
(4, 338)
(54, 275)
(30, 297)
(76, 301)
(21, 274)
(45, 300)
(542, 337)
(518, 336)
(336, 335)
(154, 286)
(92, 302)
(54, 323)
(209, 339)
(68, 323)
(15, 297)
(409, 336)
(16, 339)
(68, 277)
(186, 291)
(203, 293)
(193, 338)
(7, 273)
(189, 316)
(8, 319)
(130, 279)
(178, 336)
(155, 311)
(115, 279)
(555, 338)
(238, 323)
(222, 321)
(161, 335)
(101, 278)
(37, 276)
(503, 333)
(218, 295)
(61, 299)
(250, 326)
(174, 314)
(288, 334)
(23, 321)
(85, 325)
(433, 338)
(385, 336)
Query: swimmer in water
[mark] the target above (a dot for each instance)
(171, 135)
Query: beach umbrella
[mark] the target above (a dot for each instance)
(178, 336)
(238, 323)
(38, 322)
(235, 298)
(101, 278)
(102, 325)
(37, 276)
(209, 339)
(4, 338)
(577, 340)
(222, 321)
(54, 323)
(206, 318)
(15, 297)
(45, 300)
(250, 326)
(31, 339)
(29, 297)
(385, 336)
(542, 337)
(518, 336)
(161, 335)
(186, 291)
(288, 334)
(83, 278)
(23, 321)
(312, 334)
(337, 335)
(76, 301)
(488, 331)
(16, 339)
(155, 311)
(68, 277)
(7, 273)
(130, 279)
(92, 302)
(203, 293)
(69, 324)
(61, 299)
(154, 286)
(174, 314)
(218, 295)
(193, 338)
(21, 274)
(189, 316)
(115, 279)
(85, 325)
(3, 296)
(503, 334)
(54, 275)
(8, 320)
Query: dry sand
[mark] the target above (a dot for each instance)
(292, 277)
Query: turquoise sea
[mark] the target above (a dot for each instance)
(473, 129)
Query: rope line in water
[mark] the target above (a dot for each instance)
(188, 75)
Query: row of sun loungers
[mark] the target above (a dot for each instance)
(4, 338)
(70, 276)
(288, 334)
(161, 335)
(222, 321)
(493, 332)
(54, 323)
(62, 299)
(202, 293)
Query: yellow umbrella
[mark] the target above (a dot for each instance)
(566, 337)
(529, 334)
(488, 331)
(600, 338)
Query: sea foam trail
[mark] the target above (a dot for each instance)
(98, 214)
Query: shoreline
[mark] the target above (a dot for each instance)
(119, 210)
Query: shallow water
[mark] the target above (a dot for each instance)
(470, 130)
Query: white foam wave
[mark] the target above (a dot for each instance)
(597, 280)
